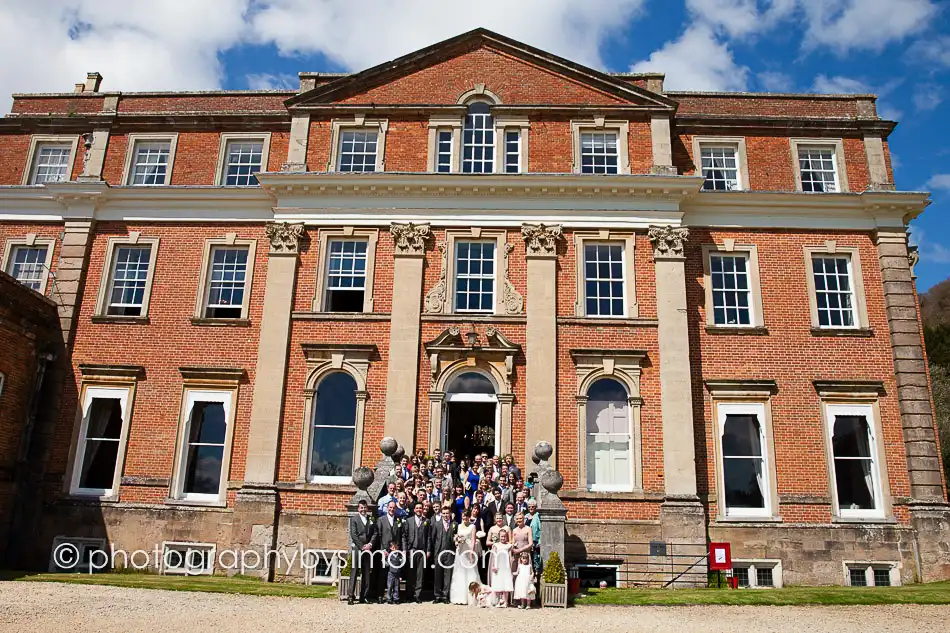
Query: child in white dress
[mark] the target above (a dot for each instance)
(524, 582)
(499, 571)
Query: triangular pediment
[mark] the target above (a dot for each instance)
(516, 73)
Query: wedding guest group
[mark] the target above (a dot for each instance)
(445, 526)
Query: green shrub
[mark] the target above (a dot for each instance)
(717, 580)
(554, 573)
(347, 567)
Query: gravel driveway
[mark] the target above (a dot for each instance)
(40, 606)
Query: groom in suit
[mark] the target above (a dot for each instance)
(442, 554)
(362, 534)
(389, 530)
(415, 545)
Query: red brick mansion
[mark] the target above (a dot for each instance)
(704, 301)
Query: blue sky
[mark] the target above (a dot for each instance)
(899, 49)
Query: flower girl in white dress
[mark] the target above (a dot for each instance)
(524, 583)
(499, 574)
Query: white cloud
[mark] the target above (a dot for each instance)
(939, 181)
(930, 252)
(932, 49)
(839, 85)
(268, 81)
(698, 60)
(927, 96)
(361, 34)
(774, 81)
(846, 25)
(175, 44)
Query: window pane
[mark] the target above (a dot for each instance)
(103, 429)
(150, 163)
(719, 168)
(817, 167)
(244, 159)
(763, 576)
(358, 150)
(857, 577)
(730, 289)
(609, 451)
(882, 578)
(51, 163)
(334, 426)
(833, 294)
(604, 280)
(207, 429)
(474, 276)
(478, 140)
(129, 276)
(471, 382)
(854, 463)
(28, 265)
(743, 462)
(599, 153)
(227, 278)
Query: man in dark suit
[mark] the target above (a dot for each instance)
(388, 529)
(362, 535)
(442, 553)
(486, 511)
(510, 516)
(415, 546)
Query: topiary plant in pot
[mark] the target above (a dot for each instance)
(554, 583)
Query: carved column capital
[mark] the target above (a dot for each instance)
(541, 239)
(284, 238)
(913, 257)
(668, 241)
(410, 239)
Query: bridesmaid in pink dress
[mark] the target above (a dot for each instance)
(522, 540)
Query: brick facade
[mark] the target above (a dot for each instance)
(413, 94)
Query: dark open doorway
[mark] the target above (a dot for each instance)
(471, 428)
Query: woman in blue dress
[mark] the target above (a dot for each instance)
(460, 502)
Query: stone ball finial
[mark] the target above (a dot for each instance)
(544, 450)
(399, 454)
(552, 481)
(388, 446)
(535, 458)
(363, 478)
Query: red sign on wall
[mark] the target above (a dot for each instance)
(720, 556)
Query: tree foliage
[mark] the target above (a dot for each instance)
(937, 338)
(940, 380)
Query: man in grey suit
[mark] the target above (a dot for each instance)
(442, 553)
(362, 533)
(388, 528)
(415, 545)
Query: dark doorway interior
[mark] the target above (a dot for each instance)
(471, 428)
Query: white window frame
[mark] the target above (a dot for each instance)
(629, 240)
(742, 162)
(190, 397)
(358, 123)
(858, 300)
(128, 172)
(753, 565)
(837, 147)
(350, 274)
(204, 280)
(759, 409)
(90, 392)
(624, 277)
(892, 567)
(601, 125)
(333, 557)
(878, 469)
(226, 139)
(133, 240)
(185, 548)
(30, 241)
(730, 248)
(455, 275)
(632, 443)
(49, 139)
(371, 237)
(453, 125)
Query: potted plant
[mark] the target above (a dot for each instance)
(554, 583)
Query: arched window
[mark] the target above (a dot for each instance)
(478, 140)
(609, 445)
(471, 382)
(334, 427)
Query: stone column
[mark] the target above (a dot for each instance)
(402, 377)
(930, 513)
(541, 345)
(95, 144)
(255, 509)
(877, 166)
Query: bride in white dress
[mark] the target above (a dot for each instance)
(465, 568)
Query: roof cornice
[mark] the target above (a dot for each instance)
(707, 122)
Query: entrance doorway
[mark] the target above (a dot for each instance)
(471, 416)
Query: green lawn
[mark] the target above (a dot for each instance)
(214, 584)
(932, 593)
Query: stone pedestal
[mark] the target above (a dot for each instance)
(254, 528)
(553, 513)
(932, 524)
(683, 527)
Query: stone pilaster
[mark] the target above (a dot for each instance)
(402, 377)
(929, 511)
(679, 460)
(297, 150)
(272, 352)
(541, 243)
(94, 145)
(661, 136)
(877, 167)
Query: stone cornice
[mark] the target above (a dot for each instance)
(739, 123)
